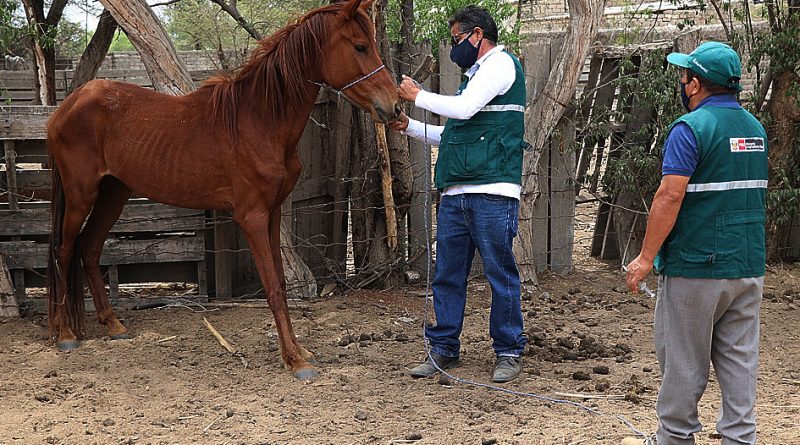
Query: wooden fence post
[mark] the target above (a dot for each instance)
(553, 216)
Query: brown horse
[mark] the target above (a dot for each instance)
(230, 145)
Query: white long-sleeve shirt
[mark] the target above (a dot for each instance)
(492, 75)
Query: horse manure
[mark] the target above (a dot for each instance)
(580, 375)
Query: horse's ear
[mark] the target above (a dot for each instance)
(351, 7)
(367, 4)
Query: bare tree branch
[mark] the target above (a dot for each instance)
(234, 12)
(721, 19)
(55, 12)
(167, 3)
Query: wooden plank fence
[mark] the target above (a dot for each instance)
(16, 87)
(147, 233)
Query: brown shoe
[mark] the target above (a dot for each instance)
(427, 368)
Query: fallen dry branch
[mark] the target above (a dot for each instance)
(225, 343)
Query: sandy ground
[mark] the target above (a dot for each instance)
(174, 384)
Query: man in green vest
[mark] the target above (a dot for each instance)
(478, 171)
(705, 237)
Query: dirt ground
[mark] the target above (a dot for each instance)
(172, 383)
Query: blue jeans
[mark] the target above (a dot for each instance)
(488, 223)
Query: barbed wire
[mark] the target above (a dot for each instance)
(561, 188)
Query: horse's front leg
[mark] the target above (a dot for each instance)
(275, 246)
(255, 225)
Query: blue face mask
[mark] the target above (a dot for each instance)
(684, 97)
(464, 54)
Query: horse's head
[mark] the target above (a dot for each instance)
(351, 60)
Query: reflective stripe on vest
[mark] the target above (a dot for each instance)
(729, 185)
(509, 107)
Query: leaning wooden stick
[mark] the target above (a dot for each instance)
(420, 74)
(386, 184)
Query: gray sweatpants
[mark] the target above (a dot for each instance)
(698, 321)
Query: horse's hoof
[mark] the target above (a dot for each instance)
(306, 374)
(68, 345)
(123, 336)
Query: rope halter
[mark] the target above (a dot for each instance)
(351, 84)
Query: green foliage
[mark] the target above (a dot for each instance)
(202, 25)
(70, 39)
(430, 19)
(121, 43)
(11, 28)
(653, 91)
(783, 196)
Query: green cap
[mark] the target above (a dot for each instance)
(714, 61)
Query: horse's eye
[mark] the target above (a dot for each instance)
(361, 48)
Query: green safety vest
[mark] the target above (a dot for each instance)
(719, 232)
(486, 148)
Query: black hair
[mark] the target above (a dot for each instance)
(709, 84)
(473, 16)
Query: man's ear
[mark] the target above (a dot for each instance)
(695, 84)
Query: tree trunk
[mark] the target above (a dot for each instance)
(784, 134)
(376, 264)
(95, 52)
(545, 112)
(148, 36)
(44, 53)
(784, 158)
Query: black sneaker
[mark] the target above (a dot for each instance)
(506, 369)
(427, 368)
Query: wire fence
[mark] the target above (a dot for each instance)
(335, 214)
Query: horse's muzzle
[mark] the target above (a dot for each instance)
(388, 115)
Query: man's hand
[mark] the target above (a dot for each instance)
(408, 89)
(399, 124)
(637, 271)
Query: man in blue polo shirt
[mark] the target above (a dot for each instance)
(705, 235)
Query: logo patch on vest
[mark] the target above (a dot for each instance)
(747, 144)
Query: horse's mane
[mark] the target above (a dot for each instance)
(279, 69)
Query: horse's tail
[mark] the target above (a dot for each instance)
(72, 300)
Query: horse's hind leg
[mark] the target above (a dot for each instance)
(107, 208)
(78, 203)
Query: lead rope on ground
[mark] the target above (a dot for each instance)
(428, 223)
